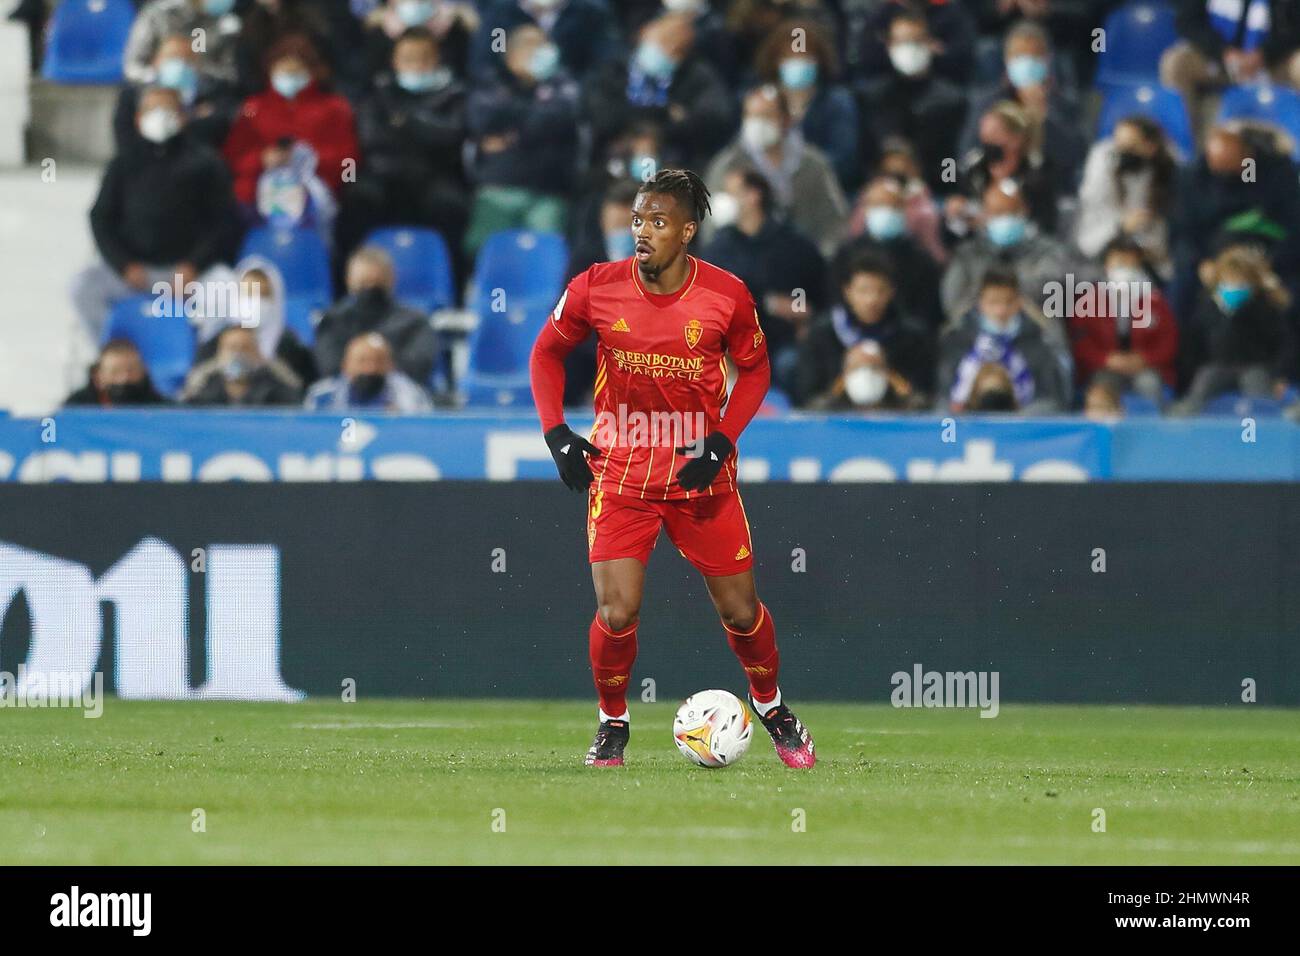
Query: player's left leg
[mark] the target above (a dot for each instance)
(751, 632)
(713, 534)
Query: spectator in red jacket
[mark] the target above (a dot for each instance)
(295, 107)
(1122, 329)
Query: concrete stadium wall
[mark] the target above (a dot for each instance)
(393, 585)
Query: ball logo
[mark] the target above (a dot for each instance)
(694, 329)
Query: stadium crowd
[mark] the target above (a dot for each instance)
(912, 189)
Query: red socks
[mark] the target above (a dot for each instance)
(756, 650)
(611, 664)
(612, 656)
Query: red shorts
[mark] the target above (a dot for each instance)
(710, 531)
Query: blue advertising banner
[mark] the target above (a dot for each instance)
(214, 446)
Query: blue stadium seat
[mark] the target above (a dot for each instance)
(166, 344)
(422, 265)
(1160, 103)
(1138, 406)
(1235, 405)
(298, 253)
(517, 282)
(522, 262)
(1136, 35)
(301, 314)
(86, 40)
(1278, 105)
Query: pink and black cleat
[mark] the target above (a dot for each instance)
(607, 749)
(794, 745)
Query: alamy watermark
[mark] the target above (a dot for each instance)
(637, 429)
(1095, 299)
(922, 688)
(214, 297)
(31, 689)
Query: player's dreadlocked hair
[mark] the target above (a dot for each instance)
(684, 186)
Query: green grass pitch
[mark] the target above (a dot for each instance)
(453, 782)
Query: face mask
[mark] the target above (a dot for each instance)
(160, 124)
(990, 326)
(885, 222)
(425, 81)
(366, 388)
(910, 59)
(993, 153)
(760, 134)
(1232, 297)
(866, 385)
(289, 85)
(177, 74)
(798, 74)
(373, 298)
(1125, 275)
(993, 400)
(725, 209)
(1025, 71)
(652, 60)
(619, 245)
(1006, 231)
(218, 8)
(236, 368)
(1130, 162)
(681, 6)
(414, 13)
(127, 393)
(544, 62)
(643, 167)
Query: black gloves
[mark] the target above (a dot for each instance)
(567, 448)
(698, 473)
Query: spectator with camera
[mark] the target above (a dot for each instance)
(1029, 82)
(1128, 192)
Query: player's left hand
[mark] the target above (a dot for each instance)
(698, 473)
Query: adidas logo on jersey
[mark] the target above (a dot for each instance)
(742, 554)
(620, 326)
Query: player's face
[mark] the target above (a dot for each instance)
(662, 230)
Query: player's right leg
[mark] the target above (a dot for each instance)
(621, 534)
(612, 643)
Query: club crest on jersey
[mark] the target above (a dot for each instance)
(694, 329)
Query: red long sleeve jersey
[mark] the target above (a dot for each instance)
(661, 376)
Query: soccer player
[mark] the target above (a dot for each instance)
(663, 320)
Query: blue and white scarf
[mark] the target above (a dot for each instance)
(999, 349)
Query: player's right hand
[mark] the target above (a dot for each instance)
(567, 448)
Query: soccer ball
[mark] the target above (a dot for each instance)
(713, 728)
